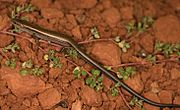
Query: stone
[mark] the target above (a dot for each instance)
(50, 13)
(54, 72)
(108, 106)
(167, 29)
(78, 4)
(77, 105)
(127, 13)
(165, 96)
(106, 4)
(76, 32)
(5, 40)
(77, 83)
(147, 42)
(71, 19)
(175, 73)
(87, 3)
(90, 96)
(176, 100)
(5, 22)
(111, 16)
(175, 4)
(41, 4)
(153, 97)
(107, 82)
(49, 98)
(107, 53)
(135, 83)
(22, 86)
(104, 97)
(27, 102)
(155, 87)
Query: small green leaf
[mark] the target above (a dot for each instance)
(27, 64)
(12, 47)
(99, 86)
(115, 90)
(93, 83)
(8, 62)
(24, 72)
(37, 71)
(11, 63)
(100, 79)
(84, 73)
(151, 58)
(125, 73)
(76, 72)
(108, 67)
(95, 33)
(96, 72)
(89, 80)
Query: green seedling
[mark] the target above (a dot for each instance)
(167, 49)
(21, 9)
(151, 58)
(13, 47)
(37, 71)
(27, 8)
(122, 44)
(130, 27)
(27, 64)
(71, 52)
(11, 63)
(141, 26)
(54, 60)
(95, 81)
(79, 72)
(15, 30)
(146, 23)
(125, 73)
(115, 89)
(24, 72)
(108, 67)
(136, 102)
(95, 32)
(29, 68)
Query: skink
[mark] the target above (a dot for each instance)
(60, 38)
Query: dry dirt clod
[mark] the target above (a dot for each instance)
(107, 53)
(153, 97)
(77, 105)
(167, 29)
(127, 13)
(76, 32)
(4, 22)
(51, 13)
(19, 85)
(175, 73)
(135, 83)
(165, 96)
(49, 98)
(176, 100)
(5, 40)
(54, 72)
(147, 42)
(111, 16)
(87, 3)
(41, 4)
(91, 97)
